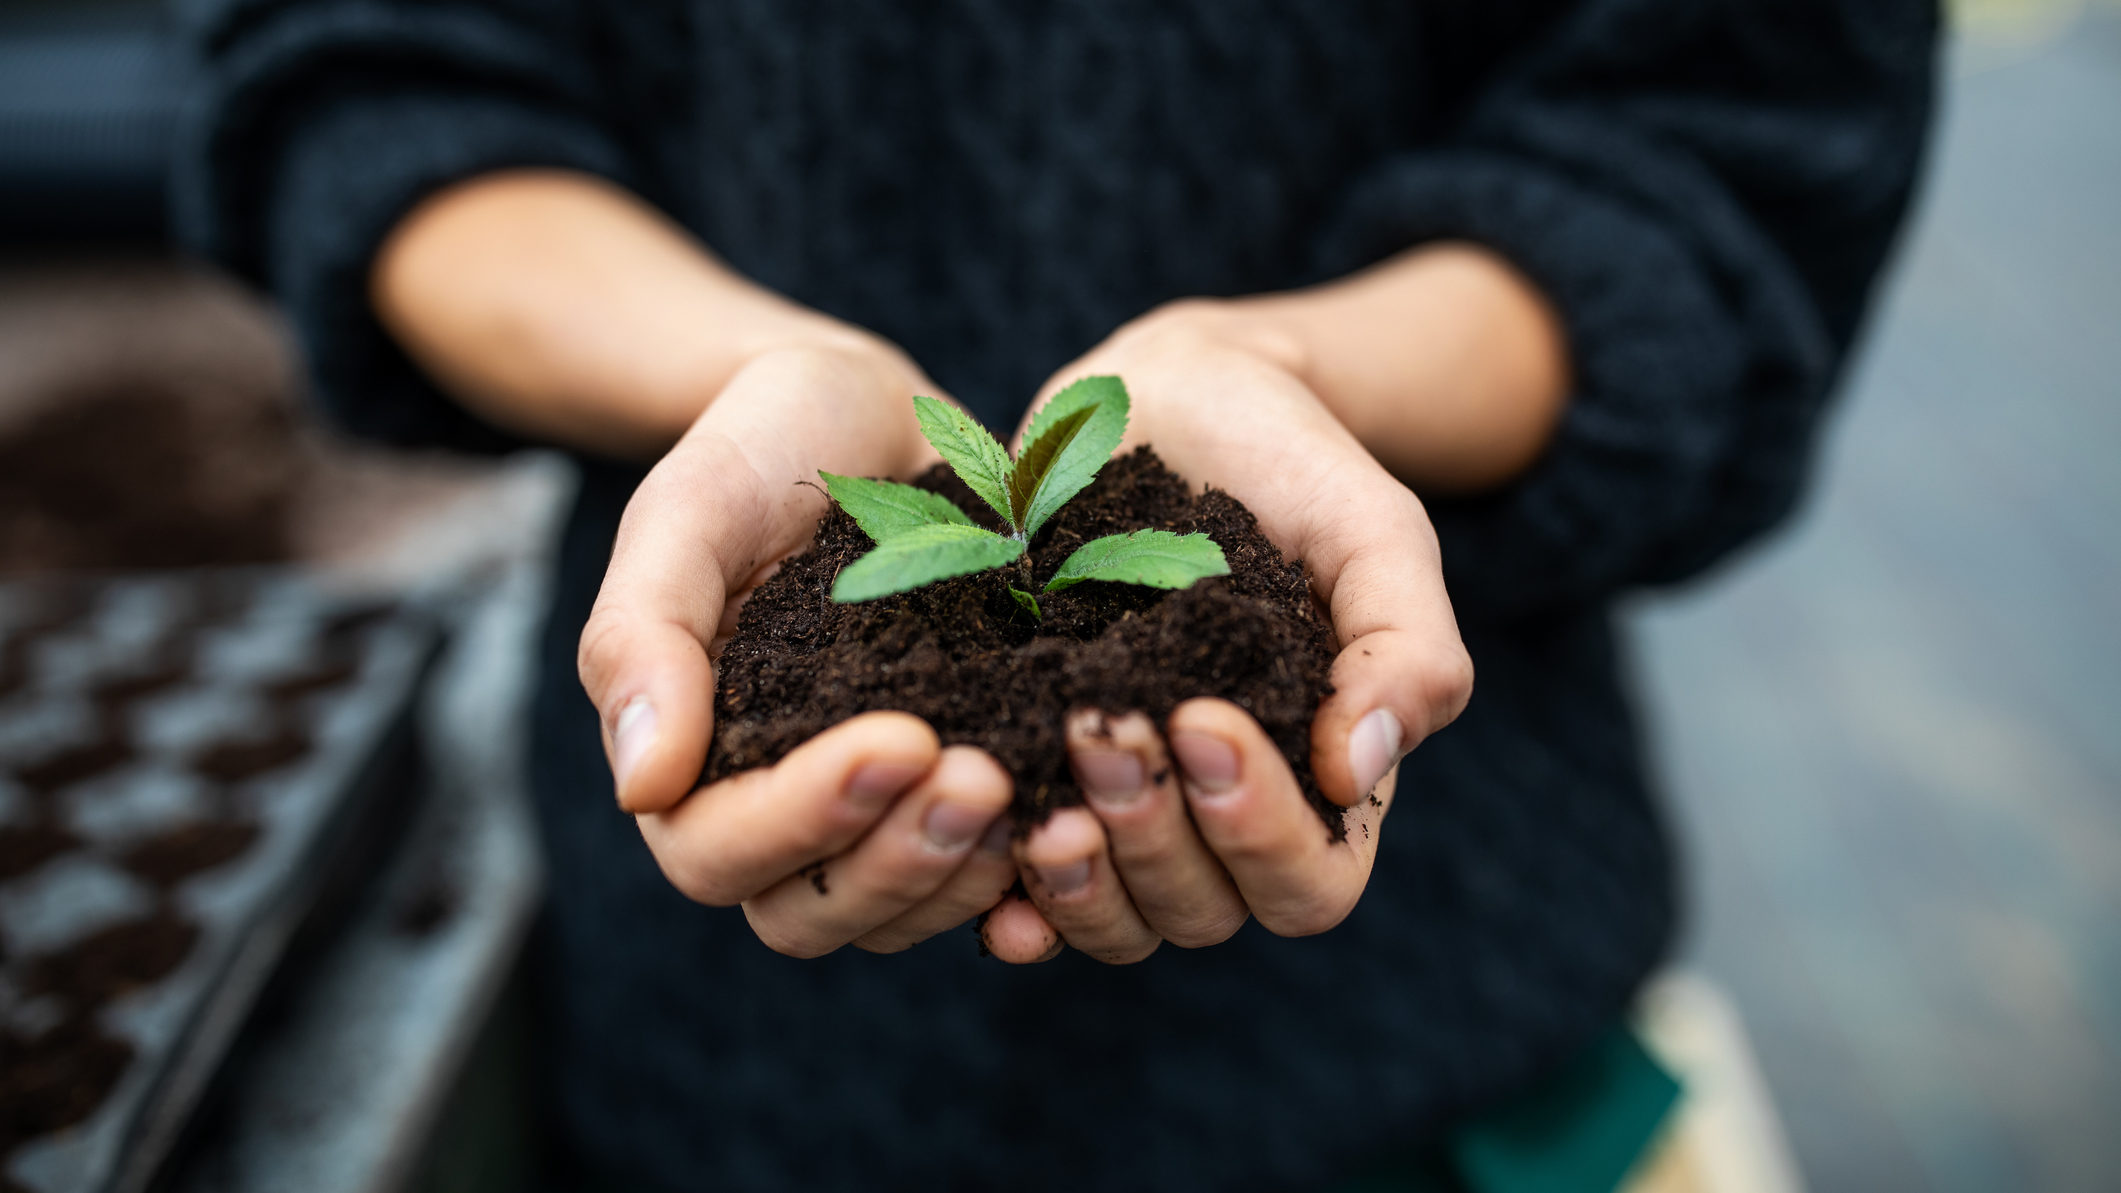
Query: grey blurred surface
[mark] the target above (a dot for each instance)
(354, 1085)
(1893, 738)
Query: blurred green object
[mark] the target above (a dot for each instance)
(1579, 1132)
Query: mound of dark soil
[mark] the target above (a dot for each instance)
(149, 475)
(963, 657)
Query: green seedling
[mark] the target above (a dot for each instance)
(922, 538)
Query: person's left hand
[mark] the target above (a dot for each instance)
(1187, 852)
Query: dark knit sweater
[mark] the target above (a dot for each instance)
(1705, 191)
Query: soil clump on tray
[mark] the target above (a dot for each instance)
(960, 655)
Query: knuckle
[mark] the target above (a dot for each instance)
(702, 884)
(817, 824)
(1247, 847)
(1206, 931)
(1309, 916)
(1185, 314)
(843, 369)
(883, 944)
(903, 886)
(1125, 953)
(1405, 515)
(779, 933)
(1176, 326)
(1144, 850)
(1447, 686)
(602, 645)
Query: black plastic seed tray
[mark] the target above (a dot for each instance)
(190, 767)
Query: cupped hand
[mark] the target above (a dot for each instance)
(1194, 826)
(870, 833)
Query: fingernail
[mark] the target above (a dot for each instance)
(998, 836)
(1109, 776)
(1062, 880)
(631, 735)
(951, 827)
(1210, 762)
(877, 783)
(1372, 747)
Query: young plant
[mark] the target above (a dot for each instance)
(922, 538)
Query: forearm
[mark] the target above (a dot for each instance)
(563, 308)
(1443, 361)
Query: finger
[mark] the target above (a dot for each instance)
(735, 838)
(1015, 932)
(691, 534)
(1176, 884)
(978, 886)
(1296, 878)
(1402, 672)
(723, 506)
(1072, 883)
(911, 853)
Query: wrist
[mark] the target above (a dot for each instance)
(565, 309)
(1445, 362)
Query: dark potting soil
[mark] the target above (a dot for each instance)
(14, 666)
(24, 847)
(238, 759)
(115, 694)
(960, 654)
(176, 855)
(59, 1066)
(55, 1079)
(115, 960)
(75, 764)
(322, 676)
(149, 473)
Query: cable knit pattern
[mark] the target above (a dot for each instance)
(1705, 191)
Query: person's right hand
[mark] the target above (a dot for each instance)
(870, 833)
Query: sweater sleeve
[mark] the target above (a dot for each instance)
(318, 125)
(1705, 191)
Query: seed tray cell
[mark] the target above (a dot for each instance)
(188, 763)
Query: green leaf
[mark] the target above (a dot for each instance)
(1026, 602)
(1035, 462)
(923, 555)
(885, 508)
(1157, 558)
(1069, 439)
(970, 451)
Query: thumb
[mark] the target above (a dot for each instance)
(692, 532)
(1402, 672)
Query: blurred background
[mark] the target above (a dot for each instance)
(1891, 736)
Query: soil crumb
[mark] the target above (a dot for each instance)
(963, 657)
(24, 847)
(55, 1079)
(239, 760)
(77, 764)
(112, 961)
(182, 852)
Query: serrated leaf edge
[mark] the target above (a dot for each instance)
(921, 502)
(943, 531)
(1036, 461)
(974, 455)
(1061, 580)
(1106, 398)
